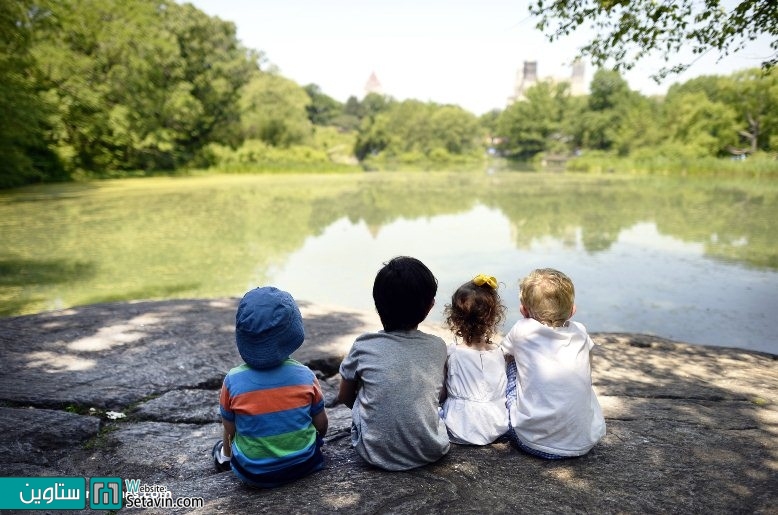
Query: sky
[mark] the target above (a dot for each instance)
(464, 52)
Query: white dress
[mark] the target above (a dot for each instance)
(474, 410)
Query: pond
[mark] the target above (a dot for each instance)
(688, 259)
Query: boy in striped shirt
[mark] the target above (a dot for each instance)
(272, 407)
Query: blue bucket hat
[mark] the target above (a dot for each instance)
(268, 327)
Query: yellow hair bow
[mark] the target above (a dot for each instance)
(488, 280)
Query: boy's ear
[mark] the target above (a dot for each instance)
(572, 312)
(524, 311)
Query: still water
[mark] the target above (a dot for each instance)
(692, 260)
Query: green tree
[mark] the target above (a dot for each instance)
(374, 133)
(489, 122)
(603, 123)
(455, 130)
(415, 131)
(373, 104)
(139, 84)
(354, 110)
(753, 96)
(640, 125)
(404, 127)
(353, 107)
(702, 126)
(534, 125)
(275, 110)
(322, 109)
(625, 31)
(24, 152)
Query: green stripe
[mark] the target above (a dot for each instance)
(240, 368)
(276, 446)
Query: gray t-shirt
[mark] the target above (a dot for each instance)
(395, 421)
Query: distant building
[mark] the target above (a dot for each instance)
(526, 80)
(577, 82)
(373, 85)
(529, 77)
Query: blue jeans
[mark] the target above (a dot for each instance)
(511, 400)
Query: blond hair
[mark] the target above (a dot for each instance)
(549, 296)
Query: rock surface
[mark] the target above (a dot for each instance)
(690, 428)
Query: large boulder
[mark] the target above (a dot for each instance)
(130, 390)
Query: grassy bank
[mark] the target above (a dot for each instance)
(259, 158)
(760, 165)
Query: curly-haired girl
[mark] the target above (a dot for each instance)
(474, 408)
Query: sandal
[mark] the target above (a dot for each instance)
(216, 452)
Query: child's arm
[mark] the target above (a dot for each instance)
(444, 390)
(321, 423)
(593, 347)
(228, 437)
(347, 393)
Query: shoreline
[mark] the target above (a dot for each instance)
(369, 316)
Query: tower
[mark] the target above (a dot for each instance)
(531, 71)
(525, 81)
(577, 84)
(528, 77)
(373, 85)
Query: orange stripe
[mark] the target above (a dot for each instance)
(224, 397)
(272, 400)
(318, 396)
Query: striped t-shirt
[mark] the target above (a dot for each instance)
(272, 410)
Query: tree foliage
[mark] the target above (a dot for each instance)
(274, 110)
(752, 96)
(137, 84)
(628, 30)
(23, 150)
(703, 126)
(530, 126)
(115, 86)
(322, 108)
(607, 117)
(412, 130)
(711, 116)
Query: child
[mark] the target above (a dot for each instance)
(392, 379)
(474, 409)
(272, 407)
(552, 406)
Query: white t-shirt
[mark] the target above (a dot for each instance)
(556, 409)
(474, 409)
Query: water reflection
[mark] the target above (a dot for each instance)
(643, 281)
(685, 259)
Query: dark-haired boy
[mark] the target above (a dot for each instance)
(392, 379)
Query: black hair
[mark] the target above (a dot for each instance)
(404, 291)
